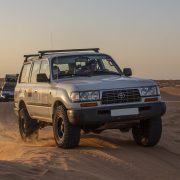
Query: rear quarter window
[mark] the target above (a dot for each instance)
(25, 73)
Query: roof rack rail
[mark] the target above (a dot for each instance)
(67, 50)
(29, 56)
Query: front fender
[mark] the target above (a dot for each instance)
(60, 95)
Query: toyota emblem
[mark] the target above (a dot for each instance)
(121, 95)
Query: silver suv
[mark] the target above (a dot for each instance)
(83, 89)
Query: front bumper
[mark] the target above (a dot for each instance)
(102, 115)
(7, 97)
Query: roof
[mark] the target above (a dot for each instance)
(62, 53)
(50, 56)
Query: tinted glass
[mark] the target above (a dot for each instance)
(25, 73)
(11, 79)
(45, 68)
(35, 71)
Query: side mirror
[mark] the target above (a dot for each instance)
(127, 72)
(42, 78)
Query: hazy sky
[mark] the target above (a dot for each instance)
(141, 34)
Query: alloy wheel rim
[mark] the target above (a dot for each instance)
(60, 128)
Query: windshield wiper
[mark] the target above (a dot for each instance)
(90, 74)
(107, 72)
(74, 75)
(87, 75)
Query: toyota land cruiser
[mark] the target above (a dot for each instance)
(83, 89)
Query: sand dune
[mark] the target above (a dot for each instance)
(172, 90)
(111, 155)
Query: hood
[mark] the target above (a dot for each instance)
(102, 83)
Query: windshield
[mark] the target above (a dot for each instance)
(83, 66)
(11, 78)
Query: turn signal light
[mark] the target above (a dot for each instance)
(151, 100)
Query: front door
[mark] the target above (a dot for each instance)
(44, 92)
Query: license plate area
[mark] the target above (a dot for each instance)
(124, 112)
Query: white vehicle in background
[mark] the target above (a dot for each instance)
(83, 89)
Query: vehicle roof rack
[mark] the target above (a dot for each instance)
(29, 56)
(42, 53)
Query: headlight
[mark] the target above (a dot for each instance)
(149, 91)
(1, 95)
(89, 96)
(85, 96)
(75, 96)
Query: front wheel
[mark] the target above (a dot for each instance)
(66, 135)
(148, 133)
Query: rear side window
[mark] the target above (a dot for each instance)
(45, 68)
(25, 73)
(35, 71)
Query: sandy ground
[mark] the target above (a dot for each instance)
(111, 155)
(171, 90)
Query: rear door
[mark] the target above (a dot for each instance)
(21, 91)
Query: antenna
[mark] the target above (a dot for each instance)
(51, 40)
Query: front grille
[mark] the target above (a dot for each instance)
(121, 96)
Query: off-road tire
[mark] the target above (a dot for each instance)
(148, 133)
(97, 131)
(28, 128)
(66, 135)
(124, 130)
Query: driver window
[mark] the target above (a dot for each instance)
(109, 65)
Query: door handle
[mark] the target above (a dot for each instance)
(35, 91)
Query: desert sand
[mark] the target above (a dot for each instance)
(110, 155)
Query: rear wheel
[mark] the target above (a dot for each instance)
(28, 128)
(65, 134)
(97, 131)
(124, 130)
(148, 133)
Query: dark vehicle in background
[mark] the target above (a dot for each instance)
(7, 90)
